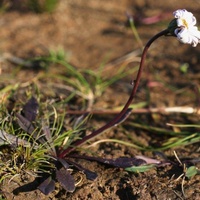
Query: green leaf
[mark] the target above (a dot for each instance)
(184, 68)
(191, 171)
(138, 169)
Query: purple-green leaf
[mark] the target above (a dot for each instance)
(30, 109)
(65, 179)
(122, 162)
(90, 175)
(64, 163)
(49, 140)
(47, 186)
(126, 162)
(25, 124)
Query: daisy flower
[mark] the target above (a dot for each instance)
(186, 30)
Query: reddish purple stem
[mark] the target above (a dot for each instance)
(124, 110)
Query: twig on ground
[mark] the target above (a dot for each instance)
(163, 110)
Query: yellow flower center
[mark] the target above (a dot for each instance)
(185, 23)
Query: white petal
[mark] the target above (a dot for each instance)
(188, 36)
(186, 32)
(176, 31)
(183, 36)
(183, 14)
(191, 20)
(194, 33)
(195, 36)
(178, 13)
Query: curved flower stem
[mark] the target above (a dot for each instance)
(126, 106)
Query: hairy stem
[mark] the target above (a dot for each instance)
(126, 106)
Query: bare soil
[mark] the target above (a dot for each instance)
(96, 32)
